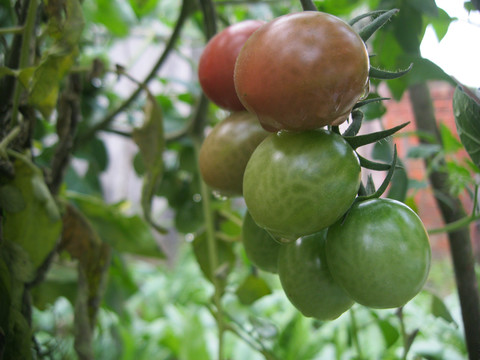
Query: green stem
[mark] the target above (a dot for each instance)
(356, 342)
(456, 225)
(308, 5)
(403, 331)
(7, 139)
(24, 54)
(209, 17)
(11, 30)
(213, 256)
(25, 160)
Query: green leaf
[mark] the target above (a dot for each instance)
(121, 285)
(5, 71)
(36, 227)
(389, 332)
(439, 309)
(252, 289)
(189, 217)
(426, 7)
(5, 299)
(95, 152)
(408, 28)
(149, 138)
(467, 119)
(225, 257)
(424, 70)
(120, 15)
(61, 281)
(59, 58)
(113, 223)
(450, 142)
(143, 7)
(11, 199)
(423, 151)
(46, 81)
(441, 23)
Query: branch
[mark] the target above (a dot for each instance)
(24, 54)
(452, 211)
(308, 5)
(105, 122)
(67, 120)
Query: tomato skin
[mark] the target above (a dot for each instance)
(302, 71)
(380, 254)
(261, 249)
(306, 279)
(226, 149)
(217, 63)
(296, 184)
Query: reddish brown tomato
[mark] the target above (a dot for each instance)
(302, 71)
(217, 62)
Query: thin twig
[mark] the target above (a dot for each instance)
(105, 122)
(11, 30)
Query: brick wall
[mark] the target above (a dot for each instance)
(400, 112)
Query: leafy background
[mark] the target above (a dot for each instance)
(114, 147)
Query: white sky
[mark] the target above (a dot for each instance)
(458, 54)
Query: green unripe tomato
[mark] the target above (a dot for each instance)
(380, 254)
(261, 249)
(306, 280)
(225, 152)
(298, 183)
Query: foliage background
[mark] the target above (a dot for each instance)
(131, 276)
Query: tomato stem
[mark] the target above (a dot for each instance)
(213, 256)
(308, 5)
(356, 342)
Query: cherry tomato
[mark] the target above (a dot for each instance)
(302, 71)
(298, 183)
(217, 62)
(306, 279)
(226, 149)
(261, 249)
(380, 253)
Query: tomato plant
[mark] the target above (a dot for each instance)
(261, 249)
(217, 63)
(306, 279)
(298, 183)
(302, 71)
(226, 150)
(380, 253)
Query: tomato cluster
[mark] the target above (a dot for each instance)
(294, 76)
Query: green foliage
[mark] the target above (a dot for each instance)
(467, 115)
(108, 287)
(32, 217)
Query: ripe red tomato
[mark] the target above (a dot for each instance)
(226, 150)
(380, 253)
(302, 71)
(217, 62)
(298, 183)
